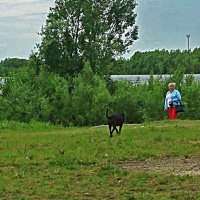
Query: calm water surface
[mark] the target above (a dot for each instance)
(144, 78)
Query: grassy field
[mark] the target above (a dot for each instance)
(39, 161)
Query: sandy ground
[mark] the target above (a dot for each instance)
(180, 166)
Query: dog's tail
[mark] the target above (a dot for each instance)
(107, 113)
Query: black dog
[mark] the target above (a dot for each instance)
(115, 120)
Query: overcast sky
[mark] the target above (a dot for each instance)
(20, 21)
(165, 23)
(162, 24)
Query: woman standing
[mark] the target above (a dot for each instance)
(171, 99)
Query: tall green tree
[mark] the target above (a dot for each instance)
(78, 30)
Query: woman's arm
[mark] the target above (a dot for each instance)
(177, 96)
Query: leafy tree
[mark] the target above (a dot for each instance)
(78, 30)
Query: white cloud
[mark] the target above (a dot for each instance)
(21, 20)
(3, 45)
(23, 7)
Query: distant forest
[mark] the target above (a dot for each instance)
(157, 62)
(10, 64)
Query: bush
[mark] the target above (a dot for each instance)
(31, 96)
(128, 99)
(154, 94)
(144, 102)
(191, 96)
(90, 98)
(36, 94)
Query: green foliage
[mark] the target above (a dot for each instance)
(4, 108)
(154, 99)
(159, 62)
(10, 64)
(78, 30)
(28, 96)
(191, 96)
(128, 99)
(32, 94)
(146, 101)
(90, 98)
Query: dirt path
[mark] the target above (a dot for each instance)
(174, 165)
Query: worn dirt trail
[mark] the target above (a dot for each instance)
(180, 166)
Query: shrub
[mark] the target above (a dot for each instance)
(90, 98)
(31, 96)
(35, 94)
(191, 96)
(154, 94)
(128, 99)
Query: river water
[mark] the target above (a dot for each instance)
(133, 78)
(144, 78)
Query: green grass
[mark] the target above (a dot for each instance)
(41, 161)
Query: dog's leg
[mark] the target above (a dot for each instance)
(120, 128)
(110, 130)
(115, 127)
(116, 130)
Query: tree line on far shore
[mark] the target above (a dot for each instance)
(159, 62)
(151, 62)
